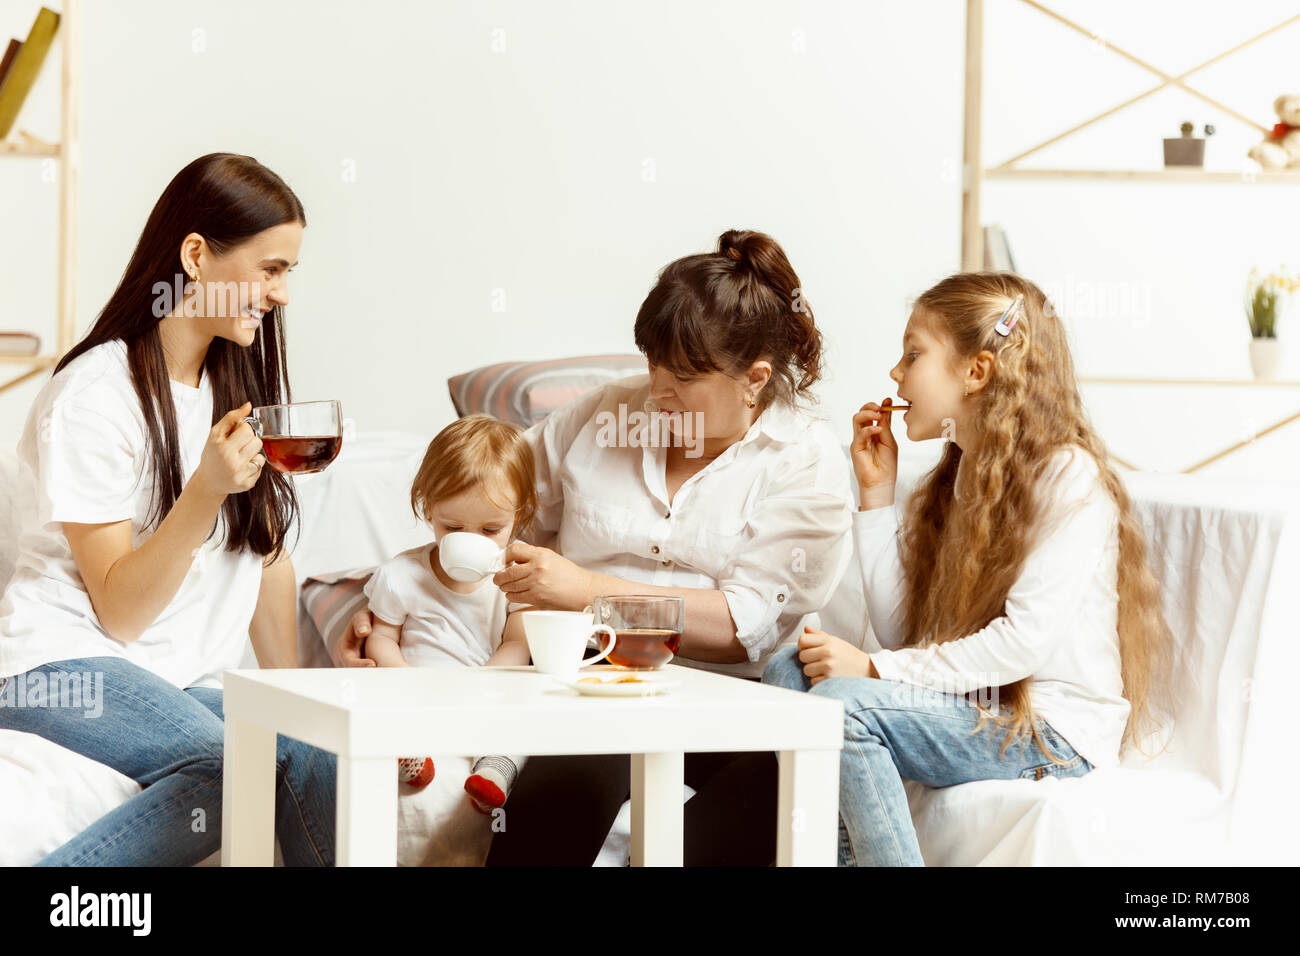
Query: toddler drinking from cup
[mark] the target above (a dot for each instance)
(476, 478)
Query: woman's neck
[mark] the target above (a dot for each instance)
(185, 346)
(713, 447)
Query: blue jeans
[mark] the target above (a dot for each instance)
(170, 741)
(894, 731)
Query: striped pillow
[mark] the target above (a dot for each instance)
(526, 392)
(328, 602)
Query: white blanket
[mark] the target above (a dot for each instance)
(1227, 558)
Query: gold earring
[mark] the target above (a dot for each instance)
(749, 402)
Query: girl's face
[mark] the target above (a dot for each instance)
(927, 381)
(239, 287)
(719, 399)
(474, 512)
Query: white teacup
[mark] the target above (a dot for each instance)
(469, 557)
(557, 640)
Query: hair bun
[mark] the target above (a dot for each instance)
(739, 244)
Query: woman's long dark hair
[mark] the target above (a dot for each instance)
(226, 199)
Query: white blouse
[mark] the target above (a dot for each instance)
(1059, 626)
(766, 522)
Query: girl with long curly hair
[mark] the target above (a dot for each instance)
(1014, 598)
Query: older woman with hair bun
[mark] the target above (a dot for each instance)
(747, 519)
(745, 516)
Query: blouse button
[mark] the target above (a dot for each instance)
(665, 563)
(654, 549)
(667, 514)
(780, 599)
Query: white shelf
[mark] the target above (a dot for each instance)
(17, 148)
(27, 146)
(1174, 175)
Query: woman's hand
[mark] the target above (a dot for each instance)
(824, 655)
(545, 579)
(232, 458)
(348, 652)
(874, 450)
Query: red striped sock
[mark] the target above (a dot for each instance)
(417, 771)
(489, 785)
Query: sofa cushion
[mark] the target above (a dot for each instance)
(328, 602)
(526, 392)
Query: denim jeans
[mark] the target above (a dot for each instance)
(894, 731)
(170, 741)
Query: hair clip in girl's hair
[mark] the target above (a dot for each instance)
(1010, 317)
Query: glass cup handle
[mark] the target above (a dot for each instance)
(613, 639)
(256, 425)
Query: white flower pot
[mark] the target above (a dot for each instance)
(1265, 356)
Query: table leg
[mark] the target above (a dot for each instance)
(248, 795)
(367, 812)
(657, 809)
(807, 826)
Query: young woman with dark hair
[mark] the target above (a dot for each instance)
(155, 544)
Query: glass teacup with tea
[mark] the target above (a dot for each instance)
(301, 438)
(648, 629)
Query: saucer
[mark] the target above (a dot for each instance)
(622, 684)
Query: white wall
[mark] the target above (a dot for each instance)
(436, 169)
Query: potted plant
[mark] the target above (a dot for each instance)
(1263, 294)
(1187, 150)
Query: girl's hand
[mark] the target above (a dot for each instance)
(232, 459)
(543, 578)
(824, 655)
(874, 450)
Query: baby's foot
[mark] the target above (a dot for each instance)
(489, 784)
(417, 771)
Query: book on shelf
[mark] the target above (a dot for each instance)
(7, 61)
(997, 251)
(25, 67)
(19, 343)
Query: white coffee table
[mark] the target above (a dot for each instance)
(369, 717)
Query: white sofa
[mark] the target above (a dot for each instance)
(1227, 556)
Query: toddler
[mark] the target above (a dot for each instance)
(477, 476)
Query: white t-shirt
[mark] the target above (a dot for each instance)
(766, 522)
(438, 625)
(83, 459)
(1059, 627)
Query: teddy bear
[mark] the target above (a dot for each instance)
(1282, 147)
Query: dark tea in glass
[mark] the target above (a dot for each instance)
(649, 629)
(301, 456)
(301, 438)
(644, 648)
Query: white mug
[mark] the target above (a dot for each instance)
(469, 557)
(557, 640)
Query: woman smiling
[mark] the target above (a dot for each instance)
(746, 519)
(747, 522)
(157, 541)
